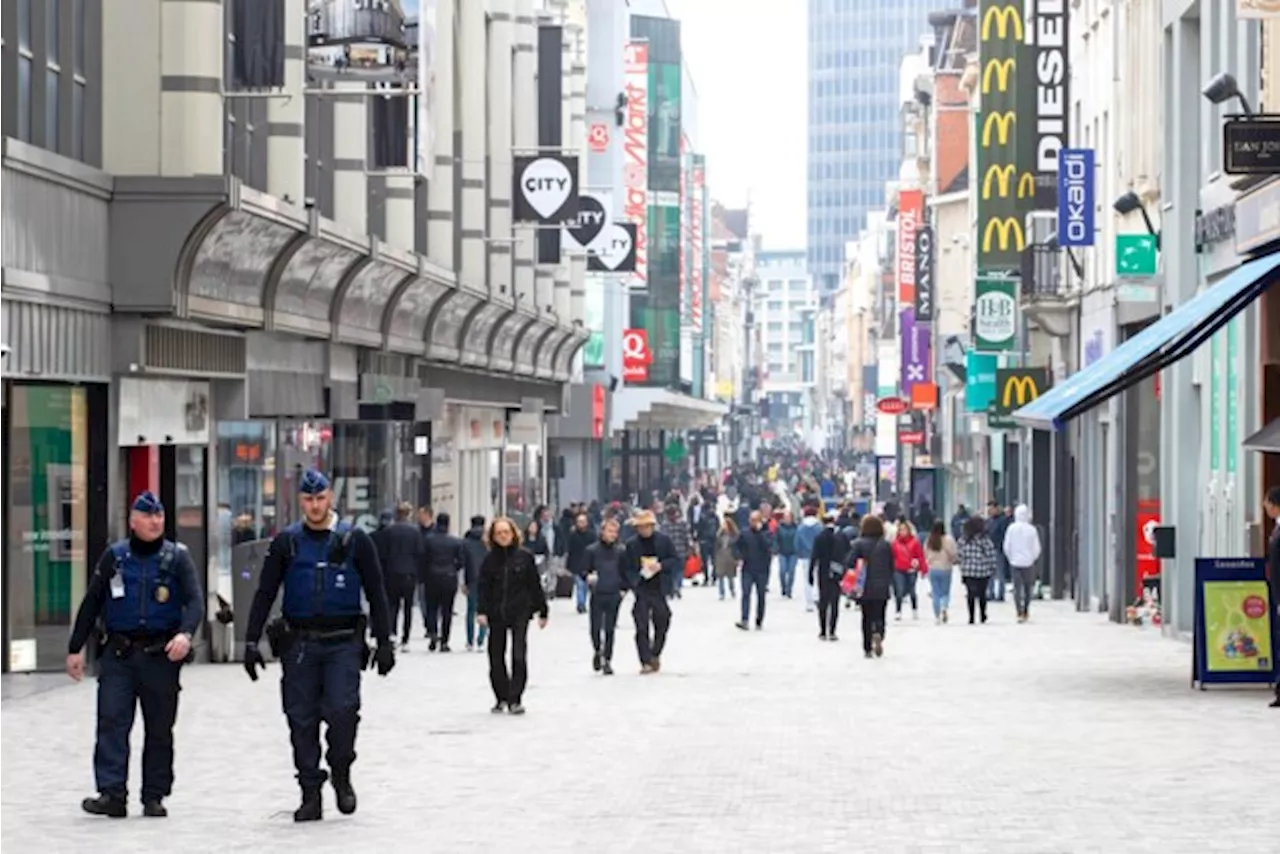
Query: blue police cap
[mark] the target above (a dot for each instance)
(146, 502)
(313, 482)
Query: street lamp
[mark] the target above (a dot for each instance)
(1130, 202)
(1223, 87)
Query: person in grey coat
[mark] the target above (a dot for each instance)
(726, 555)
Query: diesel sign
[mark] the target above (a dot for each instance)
(1045, 110)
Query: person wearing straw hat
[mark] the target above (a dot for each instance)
(651, 568)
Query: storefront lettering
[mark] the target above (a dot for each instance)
(351, 501)
(41, 541)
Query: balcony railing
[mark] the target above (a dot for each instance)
(1042, 273)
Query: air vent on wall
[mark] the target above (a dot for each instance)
(193, 351)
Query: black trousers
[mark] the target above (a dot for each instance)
(508, 687)
(124, 683)
(320, 681)
(604, 620)
(400, 590)
(441, 590)
(828, 603)
(872, 620)
(976, 594)
(651, 609)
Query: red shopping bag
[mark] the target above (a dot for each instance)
(850, 582)
(692, 567)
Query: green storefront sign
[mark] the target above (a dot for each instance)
(1136, 255)
(995, 314)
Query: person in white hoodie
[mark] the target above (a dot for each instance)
(1022, 548)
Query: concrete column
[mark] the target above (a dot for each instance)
(524, 97)
(500, 112)
(439, 123)
(286, 119)
(350, 153)
(472, 67)
(398, 203)
(544, 287)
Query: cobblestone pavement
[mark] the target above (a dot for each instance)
(1065, 735)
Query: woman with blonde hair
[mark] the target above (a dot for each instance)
(510, 593)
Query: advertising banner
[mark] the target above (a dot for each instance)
(635, 154)
(615, 250)
(925, 284)
(1075, 197)
(425, 132)
(545, 189)
(593, 311)
(1042, 98)
(980, 380)
(657, 310)
(665, 131)
(697, 203)
(1000, 185)
(916, 353)
(910, 219)
(1148, 519)
(1016, 387)
(636, 356)
(996, 314)
(1234, 639)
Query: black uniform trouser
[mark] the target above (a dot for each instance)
(441, 590)
(651, 609)
(321, 682)
(604, 620)
(508, 687)
(148, 679)
(828, 602)
(400, 590)
(872, 620)
(976, 594)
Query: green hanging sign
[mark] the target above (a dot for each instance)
(1233, 396)
(995, 314)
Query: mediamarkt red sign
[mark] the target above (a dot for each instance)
(910, 217)
(635, 154)
(893, 405)
(695, 247)
(636, 356)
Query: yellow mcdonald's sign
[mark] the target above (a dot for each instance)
(1002, 122)
(1002, 68)
(1003, 176)
(1019, 391)
(1007, 227)
(1006, 18)
(1027, 186)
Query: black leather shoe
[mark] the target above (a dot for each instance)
(312, 808)
(108, 805)
(154, 809)
(341, 781)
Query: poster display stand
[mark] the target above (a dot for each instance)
(1234, 639)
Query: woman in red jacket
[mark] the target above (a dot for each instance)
(909, 564)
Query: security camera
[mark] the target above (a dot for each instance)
(309, 202)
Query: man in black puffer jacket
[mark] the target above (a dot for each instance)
(473, 541)
(579, 538)
(603, 563)
(446, 556)
(400, 549)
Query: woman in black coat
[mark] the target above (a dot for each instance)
(876, 555)
(510, 594)
(826, 569)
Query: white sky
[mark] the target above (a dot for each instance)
(748, 63)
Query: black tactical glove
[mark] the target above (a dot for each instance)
(253, 661)
(385, 658)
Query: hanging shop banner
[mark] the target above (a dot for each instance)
(591, 222)
(1042, 98)
(996, 314)
(910, 219)
(1075, 197)
(615, 250)
(916, 353)
(980, 380)
(1001, 237)
(1016, 387)
(697, 248)
(593, 317)
(925, 286)
(546, 188)
(636, 356)
(1148, 519)
(1233, 622)
(657, 310)
(635, 154)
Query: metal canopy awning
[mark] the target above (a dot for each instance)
(662, 409)
(572, 341)
(479, 333)
(1266, 440)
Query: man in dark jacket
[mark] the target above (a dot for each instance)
(400, 550)
(755, 549)
(578, 538)
(473, 542)
(650, 571)
(603, 561)
(998, 523)
(445, 557)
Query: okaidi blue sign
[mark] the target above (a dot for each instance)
(1075, 197)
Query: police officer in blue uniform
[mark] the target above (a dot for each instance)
(148, 597)
(325, 566)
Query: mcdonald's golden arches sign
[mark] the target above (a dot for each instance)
(1016, 387)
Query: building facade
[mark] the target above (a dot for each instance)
(854, 134)
(785, 307)
(244, 268)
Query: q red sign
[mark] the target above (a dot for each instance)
(598, 137)
(636, 355)
(892, 405)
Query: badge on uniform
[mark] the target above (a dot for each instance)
(162, 594)
(117, 587)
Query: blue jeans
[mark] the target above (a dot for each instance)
(904, 586)
(471, 620)
(761, 584)
(321, 682)
(720, 584)
(940, 582)
(786, 573)
(580, 591)
(996, 586)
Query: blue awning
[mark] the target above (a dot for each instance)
(1161, 344)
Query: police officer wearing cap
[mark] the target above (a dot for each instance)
(324, 566)
(147, 595)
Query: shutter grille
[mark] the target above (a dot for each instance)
(195, 352)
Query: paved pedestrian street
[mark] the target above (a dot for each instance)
(1065, 735)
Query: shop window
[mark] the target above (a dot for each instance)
(47, 514)
(245, 488)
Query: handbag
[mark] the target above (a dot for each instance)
(850, 582)
(692, 567)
